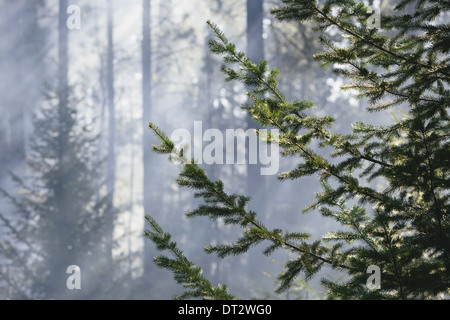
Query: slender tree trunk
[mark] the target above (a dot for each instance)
(19, 110)
(215, 275)
(111, 163)
(4, 130)
(63, 56)
(101, 99)
(146, 118)
(14, 90)
(131, 208)
(208, 100)
(255, 52)
(61, 253)
(256, 188)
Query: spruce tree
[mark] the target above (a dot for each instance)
(387, 186)
(56, 220)
(19, 68)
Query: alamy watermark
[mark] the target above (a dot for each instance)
(374, 21)
(74, 19)
(374, 281)
(231, 147)
(74, 280)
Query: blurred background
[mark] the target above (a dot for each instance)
(79, 81)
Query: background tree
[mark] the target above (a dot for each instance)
(57, 220)
(146, 92)
(111, 159)
(21, 34)
(255, 52)
(166, 51)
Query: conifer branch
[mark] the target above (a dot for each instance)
(376, 84)
(233, 210)
(14, 231)
(185, 272)
(410, 156)
(247, 216)
(286, 12)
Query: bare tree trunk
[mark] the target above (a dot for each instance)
(131, 207)
(101, 99)
(111, 163)
(255, 52)
(256, 187)
(146, 118)
(14, 90)
(61, 254)
(63, 56)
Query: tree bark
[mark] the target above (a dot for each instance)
(63, 55)
(111, 162)
(146, 118)
(256, 186)
(255, 52)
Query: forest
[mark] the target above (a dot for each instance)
(238, 149)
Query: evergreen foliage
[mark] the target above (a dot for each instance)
(388, 186)
(58, 221)
(185, 271)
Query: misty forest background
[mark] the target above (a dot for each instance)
(74, 140)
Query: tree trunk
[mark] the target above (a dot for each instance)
(13, 89)
(256, 187)
(63, 56)
(146, 118)
(255, 52)
(61, 253)
(111, 163)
